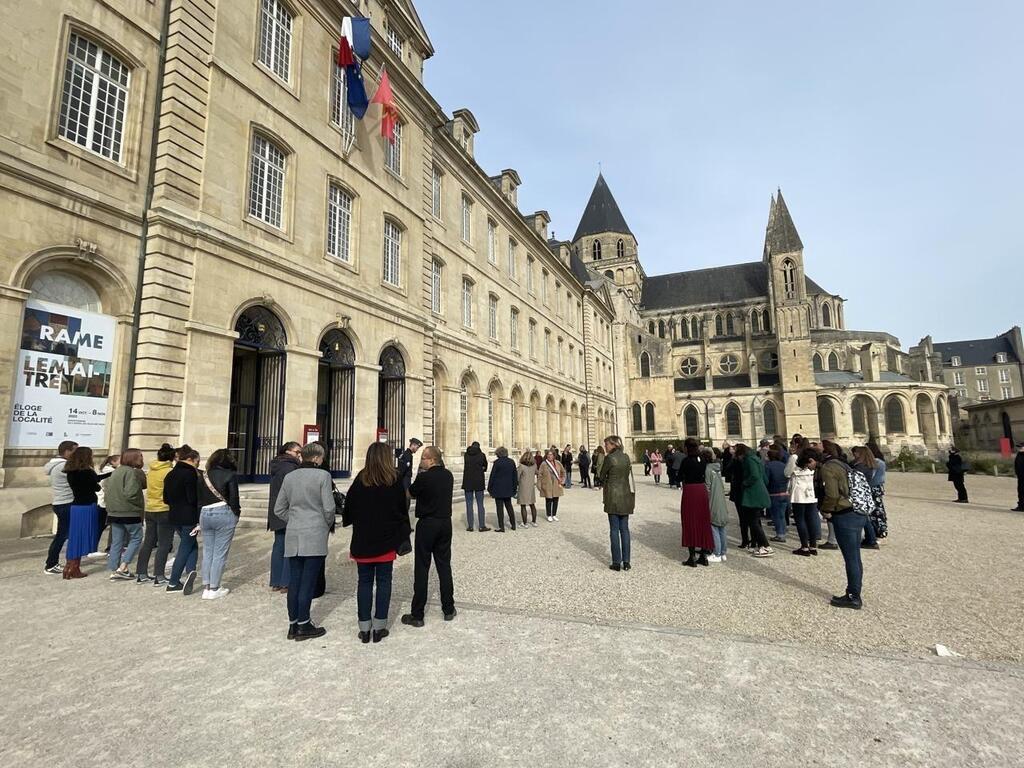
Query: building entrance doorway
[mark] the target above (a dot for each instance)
(335, 400)
(391, 396)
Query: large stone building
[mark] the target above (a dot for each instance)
(979, 370)
(203, 245)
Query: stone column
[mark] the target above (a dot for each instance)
(12, 313)
(364, 427)
(301, 379)
(207, 396)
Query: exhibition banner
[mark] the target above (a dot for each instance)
(63, 379)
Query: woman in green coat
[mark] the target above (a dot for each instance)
(616, 479)
(754, 499)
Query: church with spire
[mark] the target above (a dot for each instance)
(741, 352)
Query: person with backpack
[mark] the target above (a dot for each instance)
(864, 463)
(833, 478)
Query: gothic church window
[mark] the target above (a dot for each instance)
(771, 419)
(755, 322)
(661, 329)
(833, 362)
(789, 279)
(694, 328)
(638, 425)
(766, 321)
(817, 362)
(691, 423)
(894, 421)
(620, 248)
(645, 365)
(732, 420)
(649, 415)
(719, 328)
(650, 327)
(826, 316)
(595, 249)
(826, 417)
(769, 361)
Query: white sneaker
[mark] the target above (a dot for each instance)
(550, 519)
(207, 594)
(722, 559)
(555, 518)
(95, 555)
(222, 592)
(714, 559)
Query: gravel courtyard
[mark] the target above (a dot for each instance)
(553, 659)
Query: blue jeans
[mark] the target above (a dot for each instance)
(568, 477)
(302, 575)
(186, 556)
(778, 512)
(278, 562)
(848, 527)
(721, 543)
(123, 536)
(63, 513)
(870, 537)
(618, 528)
(368, 574)
(808, 524)
(217, 523)
(479, 496)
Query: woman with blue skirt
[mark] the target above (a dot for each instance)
(82, 528)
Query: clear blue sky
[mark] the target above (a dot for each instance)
(895, 129)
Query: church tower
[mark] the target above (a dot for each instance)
(784, 260)
(605, 243)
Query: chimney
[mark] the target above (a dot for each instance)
(463, 127)
(539, 221)
(510, 182)
(870, 363)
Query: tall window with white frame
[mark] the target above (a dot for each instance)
(393, 152)
(93, 98)
(544, 286)
(512, 258)
(392, 253)
(463, 415)
(492, 242)
(266, 181)
(560, 359)
(1006, 391)
(435, 192)
(532, 339)
(275, 44)
(435, 286)
(547, 347)
(529, 273)
(339, 223)
(467, 302)
(467, 218)
(490, 418)
(395, 41)
(341, 116)
(513, 328)
(492, 317)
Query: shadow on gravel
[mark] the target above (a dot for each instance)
(593, 548)
(663, 538)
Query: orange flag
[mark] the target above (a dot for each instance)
(389, 112)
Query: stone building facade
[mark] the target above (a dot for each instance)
(979, 370)
(187, 173)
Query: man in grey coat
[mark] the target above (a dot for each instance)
(306, 505)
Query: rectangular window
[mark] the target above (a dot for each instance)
(954, 361)
(467, 302)
(512, 258)
(958, 378)
(560, 358)
(435, 287)
(1004, 376)
(435, 193)
(492, 317)
(492, 242)
(392, 253)
(558, 298)
(339, 223)
(980, 371)
(341, 116)
(467, 219)
(532, 340)
(266, 181)
(572, 362)
(1006, 392)
(513, 328)
(544, 286)
(982, 385)
(529, 274)
(275, 38)
(547, 347)
(93, 98)
(393, 152)
(395, 42)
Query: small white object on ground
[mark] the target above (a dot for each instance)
(941, 650)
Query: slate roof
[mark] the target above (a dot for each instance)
(602, 213)
(976, 351)
(714, 285)
(576, 264)
(825, 378)
(781, 235)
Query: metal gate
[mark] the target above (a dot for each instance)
(336, 400)
(391, 397)
(256, 417)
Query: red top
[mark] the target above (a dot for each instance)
(387, 557)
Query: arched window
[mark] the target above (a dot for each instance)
(766, 321)
(691, 422)
(595, 250)
(620, 248)
(755, 321)
(463, 415)
(826, 417)
(610, 275)
(645, 365)
(833, 362)
(719, 328)
(650, 327)
(789, 279)
(661, 329)
(817, 362)
(860, 416)
(771, 419)
(684, 327)
(894, 421)
(694, 328)
(732, 420)
(730, 325)
(638, 423)
(940, 408)
(65, 289)
(649, 415)
(826, 316)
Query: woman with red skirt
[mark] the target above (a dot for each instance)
(696, 509)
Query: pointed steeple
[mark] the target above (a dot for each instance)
(602, 213)
(781, 235)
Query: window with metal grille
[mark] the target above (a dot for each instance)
(93, 98)
(492, 317)
(467, 218)
(275, 42)
(393, 152)
(467, 302)
(341, 116)
(513, 324)
(435, 193)
(266, 181)
(339, 223)
(435, 286)
(392, 253)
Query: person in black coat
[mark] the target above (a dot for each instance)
(502, 485)
(957, 470)
(732, 472)
(406, 460)
(1018, 468)
(583, 460)
(288, 458)
(181, 495)
(473, 470)
(432, 490)
(377, 510)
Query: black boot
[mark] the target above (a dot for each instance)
(703, 559)
(309, 631)
(364, 637)
(379, 634)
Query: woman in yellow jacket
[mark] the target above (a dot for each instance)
(159, 531)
